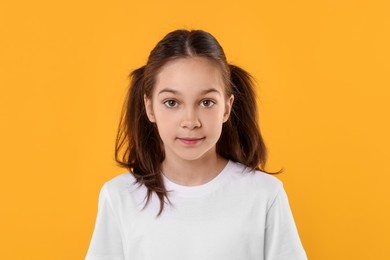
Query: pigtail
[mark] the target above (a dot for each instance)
(138, 145)
(241, 138)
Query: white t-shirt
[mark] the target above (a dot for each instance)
(238, 215)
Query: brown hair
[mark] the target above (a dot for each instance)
(138, 145)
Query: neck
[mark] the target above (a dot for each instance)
(194, 172)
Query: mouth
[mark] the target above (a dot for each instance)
(186, 140)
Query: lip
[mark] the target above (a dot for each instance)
(190, 140)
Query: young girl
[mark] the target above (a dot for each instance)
(196, 187)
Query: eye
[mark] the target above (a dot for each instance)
(170, 103)
(207, 103)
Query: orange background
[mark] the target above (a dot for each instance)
(322, 69)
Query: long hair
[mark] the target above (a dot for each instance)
(139, 147)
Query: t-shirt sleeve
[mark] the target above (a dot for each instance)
(282, 241)
(106, 242)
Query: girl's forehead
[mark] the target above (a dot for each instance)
(189, 74)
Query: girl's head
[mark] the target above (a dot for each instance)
(187, 95)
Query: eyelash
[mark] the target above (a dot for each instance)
(166, 102)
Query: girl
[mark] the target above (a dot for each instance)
(196, 187)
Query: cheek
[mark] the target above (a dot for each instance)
(165, 116)
(213, 121)
(165, 122)
(214, 115)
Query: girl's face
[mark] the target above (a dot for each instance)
(189, 106)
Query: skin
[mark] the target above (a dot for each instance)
(189, 107)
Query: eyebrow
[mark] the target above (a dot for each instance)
(168, 90)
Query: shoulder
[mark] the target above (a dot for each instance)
(258, 183)
(122, 184)
(122, 192)
(121, 181)
(257, 177)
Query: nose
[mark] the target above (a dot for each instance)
(190, 119)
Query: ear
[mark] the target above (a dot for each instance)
(149, 109)
(228, 108)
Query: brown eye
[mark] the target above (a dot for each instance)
(170, 103)
(207, 103)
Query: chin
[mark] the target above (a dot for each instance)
(193, 156)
